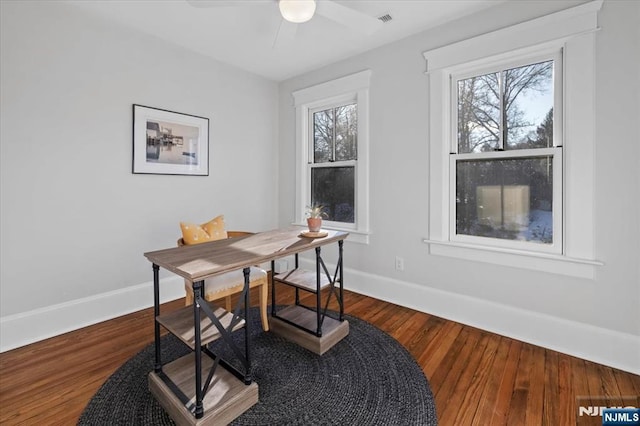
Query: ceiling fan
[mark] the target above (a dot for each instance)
(300, 11)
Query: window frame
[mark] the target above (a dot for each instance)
(489, 66)
(311, 164)
(572, 30)
(351, 89)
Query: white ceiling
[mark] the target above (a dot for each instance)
(252, 35)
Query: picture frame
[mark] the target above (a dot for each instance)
(169, 143)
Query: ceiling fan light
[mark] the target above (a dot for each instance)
(297, 11)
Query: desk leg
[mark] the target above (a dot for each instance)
(197, 300)
(273, 288)
(156, 312)
(318, 294)
(247, 327)
(340, 243)
(296, 265)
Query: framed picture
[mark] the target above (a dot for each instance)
(169, 143)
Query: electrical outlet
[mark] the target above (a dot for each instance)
(399, 264)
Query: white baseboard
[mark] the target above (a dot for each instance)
(608, 347)
(604, 346)
(32, 326)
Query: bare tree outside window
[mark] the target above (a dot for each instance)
(346, 132)
(503, 110)
(323, 136)
(508, 110)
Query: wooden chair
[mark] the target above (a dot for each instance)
(229, 283)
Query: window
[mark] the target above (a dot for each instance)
(332, 153)
(506, 155)
(511, 145)
(332, 166)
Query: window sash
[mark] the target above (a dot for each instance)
(557, 199)
(337, 164)
(500, 66)
(311, 135)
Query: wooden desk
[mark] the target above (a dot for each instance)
(200, 261)
(196, 404)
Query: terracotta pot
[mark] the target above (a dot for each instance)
(314, 223)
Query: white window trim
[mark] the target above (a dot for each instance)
(354, 87)
(573, 31)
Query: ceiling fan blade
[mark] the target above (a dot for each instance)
(226, 3)
(348, 17)
(286, 33)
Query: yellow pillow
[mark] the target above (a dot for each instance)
(210, 231)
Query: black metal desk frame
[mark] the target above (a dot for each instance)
(321, 313)
(198, 262)
(225, 333)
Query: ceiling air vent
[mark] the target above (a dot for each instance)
(385, 18)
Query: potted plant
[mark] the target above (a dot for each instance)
(315, 213)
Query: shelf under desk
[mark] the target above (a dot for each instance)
(180, 324)
(306, 280)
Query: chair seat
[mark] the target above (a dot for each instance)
(229, 280)
(225, 285)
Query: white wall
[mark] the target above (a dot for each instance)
(75, 220)
(595, 319)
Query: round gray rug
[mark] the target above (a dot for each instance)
(368, 378)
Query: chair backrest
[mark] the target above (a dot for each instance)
(230, 234)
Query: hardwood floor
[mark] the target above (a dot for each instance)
(477, 378)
